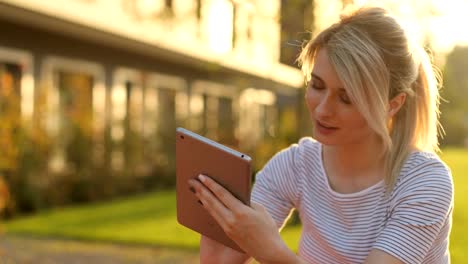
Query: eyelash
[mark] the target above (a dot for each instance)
(345, 100)
(315, 87)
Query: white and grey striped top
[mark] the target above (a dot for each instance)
(412, 223)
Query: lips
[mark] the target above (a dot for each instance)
(324, 129)
(325, 125)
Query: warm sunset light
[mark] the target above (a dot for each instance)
(97, 98)
(219, 25)
(438, 21)
(448, 28)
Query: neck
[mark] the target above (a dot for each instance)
(356, 157)
(354, 167)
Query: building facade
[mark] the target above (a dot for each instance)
(108, 81)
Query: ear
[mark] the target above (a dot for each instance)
(395, 104)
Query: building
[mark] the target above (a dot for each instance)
(110, 80)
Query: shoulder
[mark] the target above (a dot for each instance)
(420, 210)
(306, 146)
(291, 162)
(297, 154)
(424, 179)
(309, 144)
(280, 182)
(426, 168)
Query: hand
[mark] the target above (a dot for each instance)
(252, 228)
(214, 252)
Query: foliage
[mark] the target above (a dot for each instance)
(27, 152)
(454, 109)
(23, 149)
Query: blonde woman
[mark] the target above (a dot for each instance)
(368, 186)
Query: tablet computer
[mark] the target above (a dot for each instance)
(196, 155)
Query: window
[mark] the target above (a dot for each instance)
(75, 116)
(76, 112)
(243, 19)
(16, 82)
(213, 108)
(10, 86)
(149, 9)
(296, 20)
(166, 107)
(127, 120)
(226, 120)
(199, 9)
(258, 116)
(219, 22)
(198, 16)
(197, 108)
(10, 89)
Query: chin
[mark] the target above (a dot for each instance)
(328, 142)
(324, 140)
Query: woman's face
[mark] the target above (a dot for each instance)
(336, 119)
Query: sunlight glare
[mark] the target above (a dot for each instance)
(27, 96)
(220, 28)
(99, 105)
(436, 20)
(447, 26)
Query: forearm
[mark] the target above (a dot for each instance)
(212, 252)
(294, 260)
(284, 256)
(225, 258)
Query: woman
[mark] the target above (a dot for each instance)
(368, 187)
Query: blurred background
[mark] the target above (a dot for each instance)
(91, 92)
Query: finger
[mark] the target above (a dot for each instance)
(211, 203)
(223, 195)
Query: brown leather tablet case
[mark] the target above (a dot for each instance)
(198, 155)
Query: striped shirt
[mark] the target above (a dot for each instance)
(412, 223)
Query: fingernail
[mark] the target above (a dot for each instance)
(202, 177)
(192, 189)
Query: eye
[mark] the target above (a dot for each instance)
(315, 86)
(345, 99)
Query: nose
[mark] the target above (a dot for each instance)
(325, 107)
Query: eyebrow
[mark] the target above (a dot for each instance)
(321, 80)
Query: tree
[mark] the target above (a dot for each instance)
(454, 109)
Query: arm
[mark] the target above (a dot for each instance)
(252, 228)
(381, 257)
(213, 252)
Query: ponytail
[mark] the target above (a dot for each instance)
(416, 125)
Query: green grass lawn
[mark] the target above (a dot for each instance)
(457, 159)
(143, 219)
(151, 219)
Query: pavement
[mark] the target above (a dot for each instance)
(26, 250)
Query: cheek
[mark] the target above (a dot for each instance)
(356, 122)
(311, 100)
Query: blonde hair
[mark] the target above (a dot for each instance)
(375, 61)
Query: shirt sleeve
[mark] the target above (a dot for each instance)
(277, 185)
(421, 210)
